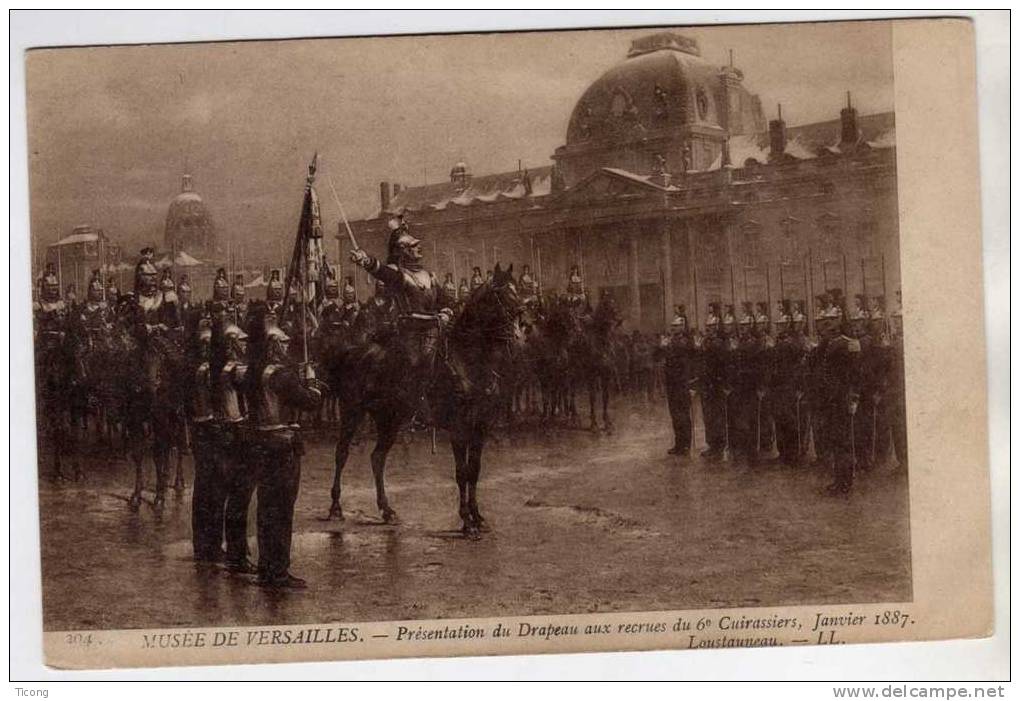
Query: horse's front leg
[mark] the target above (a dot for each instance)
(592, 388)
(387, 430)
(137, 456)
(460, 451)
(606, 421)
(474, 472)
(349, 423)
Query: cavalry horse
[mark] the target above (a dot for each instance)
(484, 344)
(157, 383)
(370, 376)
(593, 357)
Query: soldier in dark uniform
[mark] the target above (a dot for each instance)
(681, 376)
(712, 383)
(378, 310)
(476, 278)
(238, 303)
(239, 476)
(897, 405)
(838, 393)
(331, 312)
(350, 309)
(785, 388)
(575, 288)
(274, 291)
(209, 492)
(189, 313)
(766, 344)
(743, 405)
(869, 377)
(221, 290)
(463, 290)
(277, 392)
(95, 312)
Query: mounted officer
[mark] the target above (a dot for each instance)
(274, 291)
(238, 303)
(50, 310)
(331, 313)
(350, 308)
(528, 285)
(188, 311)
(415, 296)
(476, 279)
(575, 288)
(95, 311)
(221, 290)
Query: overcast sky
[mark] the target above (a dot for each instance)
(111, 130)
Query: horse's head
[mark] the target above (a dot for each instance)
(493, 310)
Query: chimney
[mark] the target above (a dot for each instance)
(384, 196)
(397, 189)
(777, 136)
(729, 97)
(848, 124)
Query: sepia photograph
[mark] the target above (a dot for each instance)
(459, 344)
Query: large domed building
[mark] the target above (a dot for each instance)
(662, 107)
(189, 226)
(671, 188)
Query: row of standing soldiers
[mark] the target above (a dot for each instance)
(767, 382)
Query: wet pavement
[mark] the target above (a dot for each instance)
(580, 523)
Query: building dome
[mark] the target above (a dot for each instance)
(189, 226)
(663, 100)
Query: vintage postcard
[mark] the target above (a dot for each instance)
(530, 342)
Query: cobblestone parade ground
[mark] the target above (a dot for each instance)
(581, 523)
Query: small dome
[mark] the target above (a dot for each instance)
(189, 225)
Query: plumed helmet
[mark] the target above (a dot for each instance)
(273, 330)
(184, 284)
(349, 293)
(233, 331)
(747, 315)
(95, 289)
(221, 288)
(205, 329)
(729, 318)
(237, 289)
(166, 283)
(761, 314)
(400, 239)
(713, 315)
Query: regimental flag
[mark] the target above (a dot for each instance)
(306, 273)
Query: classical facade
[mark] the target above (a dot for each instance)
(672, 189)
